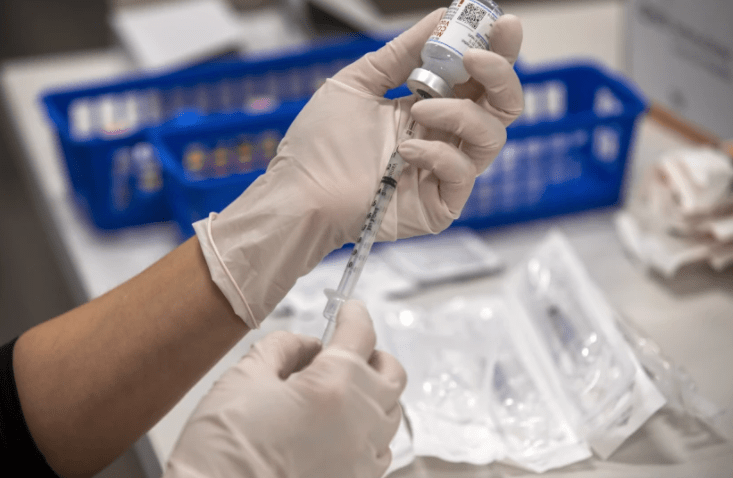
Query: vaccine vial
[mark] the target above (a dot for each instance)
(221, 159)
(194, 160)
(269, 143)
(147, 168)
(466, 24)
(245, 152)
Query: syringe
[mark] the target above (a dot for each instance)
(368, 234)
(442, 68)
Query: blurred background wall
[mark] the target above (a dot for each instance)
(31, 289)
(34, 27)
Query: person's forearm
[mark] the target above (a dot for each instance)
(93, 380)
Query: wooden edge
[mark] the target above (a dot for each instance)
(691, 131)
(674, 122)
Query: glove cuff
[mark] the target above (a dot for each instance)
(258, 247)
(220, 273)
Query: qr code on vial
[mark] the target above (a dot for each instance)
(472, 15)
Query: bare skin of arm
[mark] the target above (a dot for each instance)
(96, 378)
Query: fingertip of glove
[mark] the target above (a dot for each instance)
(506, 37)
(508, 17)
(476, 56)
(508, 24)
(483, 65)
(309, 340)
(407, 149)
(351, 307)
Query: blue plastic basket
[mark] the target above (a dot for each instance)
(110, 164)
(567, 152)
(193, 196)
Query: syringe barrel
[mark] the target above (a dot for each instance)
(366, 239)
(368, 235)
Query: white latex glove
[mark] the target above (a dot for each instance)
(317, 191)
(281, 412)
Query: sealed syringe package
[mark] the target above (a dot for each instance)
(571, 327)
(474, 394)
(535, 377)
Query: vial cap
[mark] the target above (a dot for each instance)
(427, 84)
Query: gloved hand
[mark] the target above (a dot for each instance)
(287, 410)
(317, 191)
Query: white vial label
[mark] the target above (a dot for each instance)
(466, 24)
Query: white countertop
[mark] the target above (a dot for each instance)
(690, 317)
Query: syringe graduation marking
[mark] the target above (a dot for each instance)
(363, 245)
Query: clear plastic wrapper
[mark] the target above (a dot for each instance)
(594, 374)
(447, 369)
(673, 382)
(471, 396)
(452, 255)
(534, 431)
(593, 370)
(303, 305)
(535, 377)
